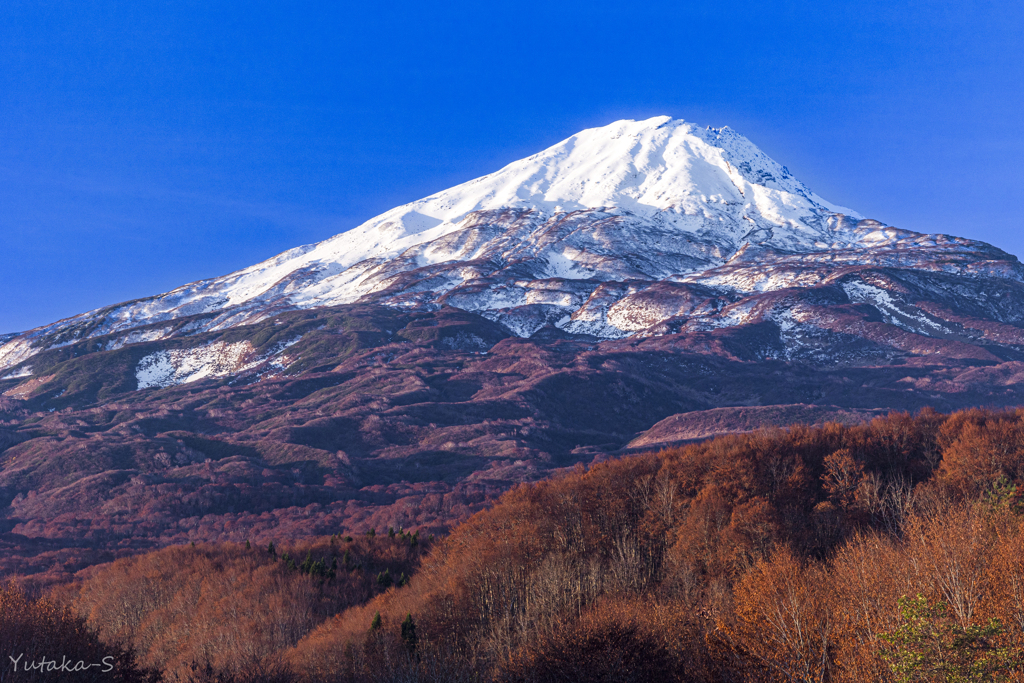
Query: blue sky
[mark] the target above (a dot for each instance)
(144, 145)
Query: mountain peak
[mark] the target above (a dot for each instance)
(704, 181)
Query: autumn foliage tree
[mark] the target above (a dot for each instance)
(785, 623)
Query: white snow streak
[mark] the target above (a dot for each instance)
(181, 366)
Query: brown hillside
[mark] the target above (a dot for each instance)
(699, 563)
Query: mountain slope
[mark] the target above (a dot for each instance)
(638, 284)
(604, 234)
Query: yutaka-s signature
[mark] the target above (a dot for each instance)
(65, 665)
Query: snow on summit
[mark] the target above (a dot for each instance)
(675, 169)
(544, 240)
(705, 181)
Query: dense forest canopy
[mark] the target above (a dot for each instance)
(888, 551)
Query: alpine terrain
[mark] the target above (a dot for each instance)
(636, 285)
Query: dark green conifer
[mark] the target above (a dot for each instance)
(376, 622)
(288, 561)
(409, 633)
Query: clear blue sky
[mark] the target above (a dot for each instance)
(144, 145)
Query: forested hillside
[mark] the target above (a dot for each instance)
(780, 555)
(888, 551)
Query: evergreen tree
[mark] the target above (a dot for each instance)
(409, 633)
(288, 561)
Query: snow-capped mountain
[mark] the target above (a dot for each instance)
(636, 285)
(635, 228)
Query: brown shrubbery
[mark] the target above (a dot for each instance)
(614, 641)
(829, 554)
(42, 640)
(233, 609)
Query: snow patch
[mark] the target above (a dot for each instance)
(18, 374)
(895, 312)
(181, 366)
(137, 337)
(14, 352)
